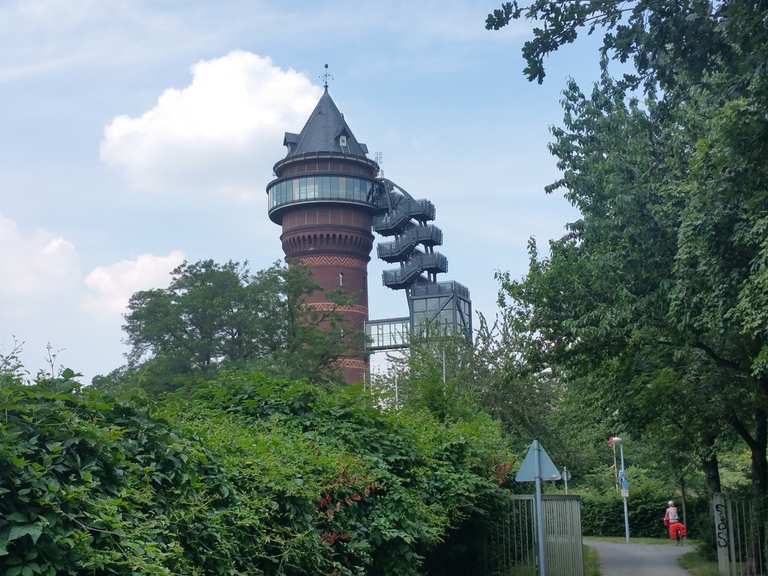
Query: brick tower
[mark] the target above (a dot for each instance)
(320, 197)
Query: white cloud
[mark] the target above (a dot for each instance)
(33, 264)
(112, 286)
(220, 134)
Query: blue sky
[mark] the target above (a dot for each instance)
(134, 134)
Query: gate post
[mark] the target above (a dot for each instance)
(723, 534)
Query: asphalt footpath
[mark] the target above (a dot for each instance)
(639, 559)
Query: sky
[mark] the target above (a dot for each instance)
(136, 134)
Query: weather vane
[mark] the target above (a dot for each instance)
(326, 76)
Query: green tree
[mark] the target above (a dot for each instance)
(666, 269)
(11, 368)
(214, 314)
(453, 377)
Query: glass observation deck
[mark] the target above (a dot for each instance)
(318, 188)
(387, 334)
(439, 309)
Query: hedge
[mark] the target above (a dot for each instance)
(239, 475)
(603, 514)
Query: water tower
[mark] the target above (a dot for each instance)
(328, 197)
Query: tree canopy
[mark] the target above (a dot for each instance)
(656, 298)
(214, 315)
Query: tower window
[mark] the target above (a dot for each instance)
(343, 141)
(341, 278)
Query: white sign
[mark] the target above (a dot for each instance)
(536, 467)
(530, 468)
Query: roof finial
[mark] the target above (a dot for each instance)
(326, 76)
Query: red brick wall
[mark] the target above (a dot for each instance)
(334, 240)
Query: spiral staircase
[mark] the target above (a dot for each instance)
(407, 221)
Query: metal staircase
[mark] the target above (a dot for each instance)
(435, 308)
(408, 240)
(410, 271)
(400, 211)
(404, 217)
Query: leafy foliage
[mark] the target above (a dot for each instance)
(453, 377)
(667, 42)
(220, 314)
(239, 474)
(654, 299)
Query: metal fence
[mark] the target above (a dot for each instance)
(562, 535)
(512, 543)
(740, 536)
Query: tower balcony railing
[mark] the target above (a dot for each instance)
(411, 237)
(319, 188)
(396, 220)
(435, 263)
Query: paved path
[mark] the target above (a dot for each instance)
(639, 559)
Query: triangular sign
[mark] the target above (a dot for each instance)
(528, 469)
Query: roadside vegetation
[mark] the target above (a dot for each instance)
(653, 307)
(591, 562)
(240, 473)
(698, 564)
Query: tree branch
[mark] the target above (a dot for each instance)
(741, 429)
(719, 360)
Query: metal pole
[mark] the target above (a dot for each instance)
(539, 511)
(565, 477)
(683, 497)
(443, 365)
(397, 394)
(624, 495)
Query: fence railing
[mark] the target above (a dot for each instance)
(741, 534)
(512, 541)
(562, 535)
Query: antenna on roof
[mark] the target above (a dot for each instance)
(325, 76)
(379, 158)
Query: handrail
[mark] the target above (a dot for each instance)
(417, 264)
(395, 220)
(402, 247)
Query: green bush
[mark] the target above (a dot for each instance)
(239, 475)
(89, 485)
(602, 514)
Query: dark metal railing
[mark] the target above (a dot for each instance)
(434, 263)
(411, 237)
(398, 218)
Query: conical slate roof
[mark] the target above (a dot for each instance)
(325, 131)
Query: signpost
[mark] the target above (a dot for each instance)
(566, 476)
(613, 441)
(536, 467)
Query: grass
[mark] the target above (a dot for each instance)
(591, 562)
(697, 564)
(620, 540)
